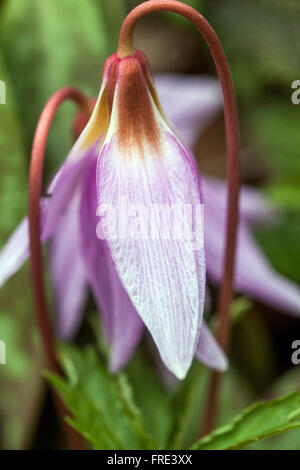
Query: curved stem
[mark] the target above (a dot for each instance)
(233, 164)
(36, 259)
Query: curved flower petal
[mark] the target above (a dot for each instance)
(85, 149)
(60, 191)
(15, 252)
(189, 102)
(254, 276)
(53, 207)
(121, 322)
(253, 206)
(143, 164)
(209, 352)
(68, 272)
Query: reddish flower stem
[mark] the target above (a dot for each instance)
(36, 259)
(233, 165)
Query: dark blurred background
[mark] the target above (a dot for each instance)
(49, 44)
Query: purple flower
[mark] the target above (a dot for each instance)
(129, 149)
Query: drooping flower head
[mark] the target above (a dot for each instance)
(143, 162)
(80, 259)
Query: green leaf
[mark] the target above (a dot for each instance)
(261, 420)
(287, 383)
(154, 402)
(188, 406)
(191, 399)
(102, 406)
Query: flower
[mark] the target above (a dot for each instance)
(159, 283)
(134, 151)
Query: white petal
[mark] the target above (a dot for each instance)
(209, 352)
(15, 252)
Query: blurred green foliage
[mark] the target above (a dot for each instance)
(44, 46)
(13, 161)
(281, 244)
(49, 45)
(15, 310)
(261, 42)
(261, 38)
(275, 126)
(152, 399)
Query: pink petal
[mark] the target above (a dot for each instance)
(121, 322)
(15, 252)
(62, 189)
(189, 102)
(209, 352)
(254, 276)
(70, 175)
(60, 193)
(253, 206)
(68, 272)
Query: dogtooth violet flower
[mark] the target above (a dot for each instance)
(127, 150)
(79, 259)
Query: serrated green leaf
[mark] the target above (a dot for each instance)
(191, 400)
(261, 420)
(132, 410)
(287, 383)
(102, 406)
